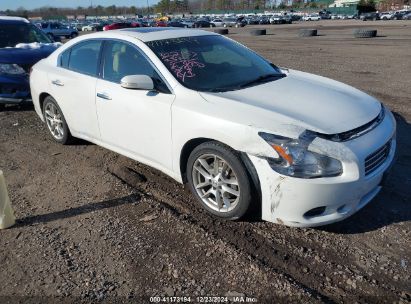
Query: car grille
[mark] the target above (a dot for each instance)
(377, 158)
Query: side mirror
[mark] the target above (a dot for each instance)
(137, 82)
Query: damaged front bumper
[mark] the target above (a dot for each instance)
(319, 201)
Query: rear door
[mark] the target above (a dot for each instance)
(73, 85)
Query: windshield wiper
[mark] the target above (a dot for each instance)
(222, 89)
(262, 79)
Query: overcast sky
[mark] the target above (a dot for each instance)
(29, 4)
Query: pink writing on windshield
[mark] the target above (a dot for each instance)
(182, 63)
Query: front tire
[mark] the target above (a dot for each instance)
(219, 180)
(56, 123)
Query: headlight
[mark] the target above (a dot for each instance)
(294, 158)
(11, 69)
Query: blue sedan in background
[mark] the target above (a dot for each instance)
(21, 45)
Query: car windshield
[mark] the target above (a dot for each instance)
(213, 63)
(13, 34)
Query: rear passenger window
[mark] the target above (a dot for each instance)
(84, 57)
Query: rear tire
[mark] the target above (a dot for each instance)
(219, 180)
(55, 121)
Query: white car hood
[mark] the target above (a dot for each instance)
(304, 100)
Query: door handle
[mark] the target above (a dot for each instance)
(57, 83)
(103, 96)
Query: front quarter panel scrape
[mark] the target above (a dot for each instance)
(275, 188)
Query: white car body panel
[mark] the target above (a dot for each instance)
(76, 97)
(153, 127)
(145, 118)
(342, 107)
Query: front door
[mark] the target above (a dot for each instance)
(134, 122)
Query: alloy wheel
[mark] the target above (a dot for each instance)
(216, 183)
(54, 121)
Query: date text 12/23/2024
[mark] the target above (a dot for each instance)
(204, 299)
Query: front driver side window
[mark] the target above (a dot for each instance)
(120, 59)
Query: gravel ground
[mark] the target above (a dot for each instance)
(94, 226)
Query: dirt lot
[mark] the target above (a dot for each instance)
(93, 225)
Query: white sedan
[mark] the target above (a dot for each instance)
(217, 22)
(88, 28)
(210, 112)
(311, 17)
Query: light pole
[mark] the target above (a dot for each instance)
(148, 10)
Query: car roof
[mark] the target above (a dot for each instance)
(12, 19)
(151, 33)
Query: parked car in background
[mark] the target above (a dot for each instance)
(264, 20)
(311, 17)
(325, 15)
(251, 20)
(161, 23)
(217, 22)
(98, 27)
(188, 22)
(234, 22)
(281, 19)
(295, 17)
(79, 26)
(407, 16)
(370, 16)
(89, 27)
(56, 29)
(203, 23)
(22, 44)
(136, 91)
(120, 25)
(146, 23)
(176, 24)
(386, 15)
(399, 15)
